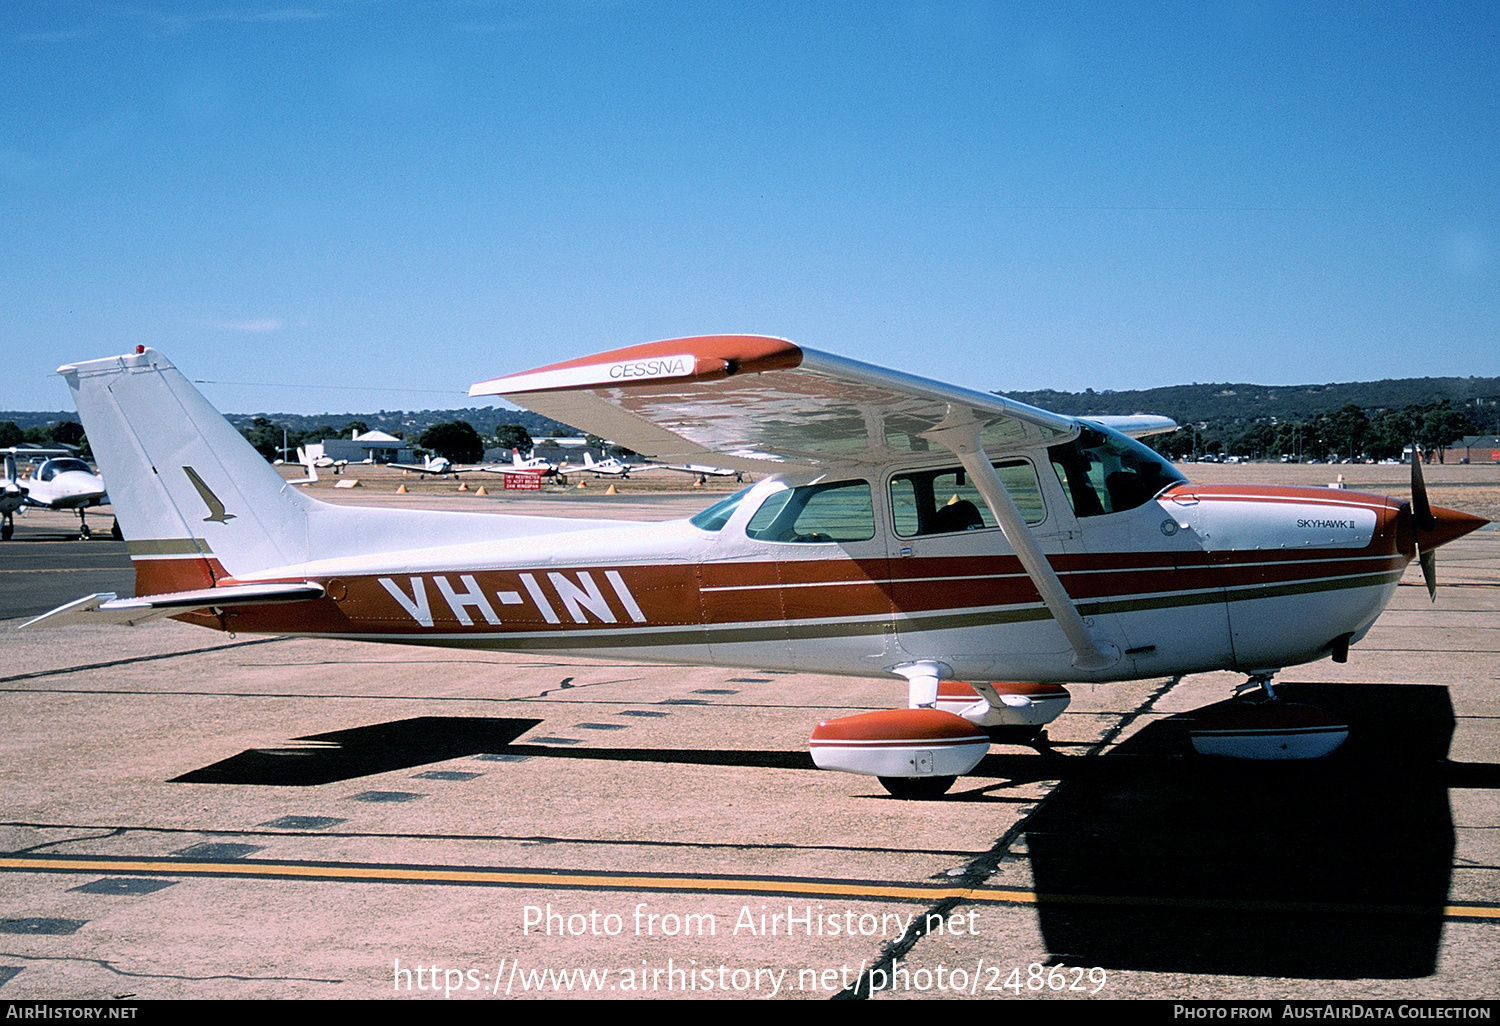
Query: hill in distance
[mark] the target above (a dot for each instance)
(1217, 403)
(1247, 403)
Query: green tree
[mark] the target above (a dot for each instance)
(513, 436)
(455, 439)
(1442, 425)
(1347, 431)
(69, 432)
(264, 436)
(1174, 446)
(1257, 443)
(1392, 431)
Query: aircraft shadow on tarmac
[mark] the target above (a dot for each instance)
(1336, 869)
(364, 751)
(405, 744)
(1147, 858)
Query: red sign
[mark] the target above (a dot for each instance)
(523, 482)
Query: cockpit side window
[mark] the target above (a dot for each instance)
(1103, 471)
(841, 511)
(945, 501)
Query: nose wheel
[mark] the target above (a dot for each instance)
(917, 788)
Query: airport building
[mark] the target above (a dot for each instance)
(1475, 449)
(372, 446)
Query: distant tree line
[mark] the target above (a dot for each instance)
(1347, 433)
(456, 440)
(1221, 405)
(275, 441)
(66, 432)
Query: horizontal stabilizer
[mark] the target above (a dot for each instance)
(105, 608)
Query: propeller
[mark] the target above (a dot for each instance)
(12, 491)
(1424, 522)
(1432, 526)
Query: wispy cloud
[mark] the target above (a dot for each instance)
(175, 22)
(255, 326)
(154, 20)
(58, 35)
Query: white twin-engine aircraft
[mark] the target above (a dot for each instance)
(63, 482)
(907, 529)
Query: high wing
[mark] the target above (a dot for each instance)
(749, 402)
(764, 404)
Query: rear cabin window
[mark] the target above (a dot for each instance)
(946, 501)
(838, 512)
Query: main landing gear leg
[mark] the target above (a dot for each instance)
(7, 527)
(921, 693)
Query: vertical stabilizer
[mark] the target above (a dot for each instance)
(194, 498)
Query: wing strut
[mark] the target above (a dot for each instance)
(959, 432)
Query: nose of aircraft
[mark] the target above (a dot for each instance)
(1448, 525)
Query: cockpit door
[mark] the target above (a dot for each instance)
(961, 596)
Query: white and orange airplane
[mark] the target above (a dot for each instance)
(907, 530)
(612, 466)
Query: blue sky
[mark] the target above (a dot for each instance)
(413, 196)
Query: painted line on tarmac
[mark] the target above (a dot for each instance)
(105, 570)
(869, 890)
(59, 671)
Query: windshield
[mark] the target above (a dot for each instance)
(1103, 471)
(52, 468)
(716, 516)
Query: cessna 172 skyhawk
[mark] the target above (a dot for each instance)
(907, 530)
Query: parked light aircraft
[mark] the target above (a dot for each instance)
(907, 530)
(62, 482)
(613, 467)
(439, 465)
(532, 465)
(702, 471)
